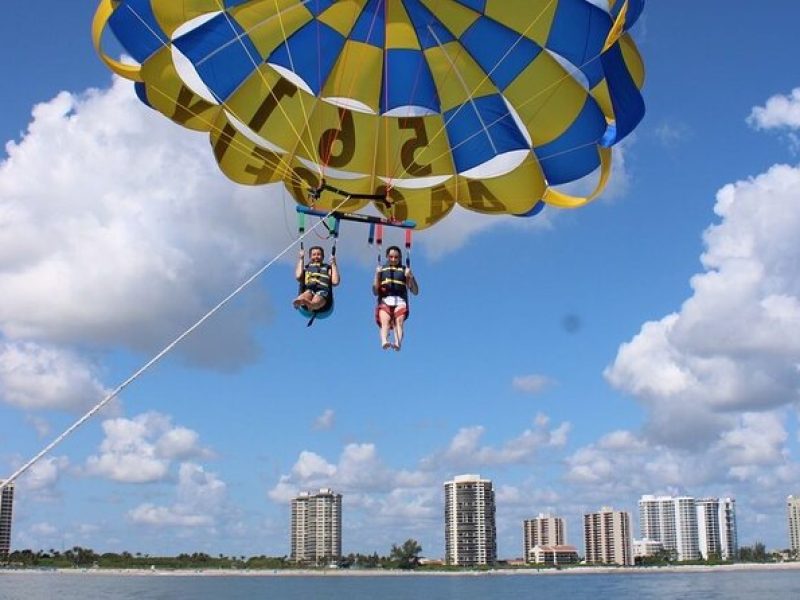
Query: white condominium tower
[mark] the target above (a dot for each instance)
(6, 506)
(544, 530)
(793, 512)
(317, 527)
(671, 521)
(607, 537)
(716, 528)
(469, 527)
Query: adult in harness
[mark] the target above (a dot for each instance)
(317, 279)
(391, 285)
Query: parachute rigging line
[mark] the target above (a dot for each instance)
(154, 360)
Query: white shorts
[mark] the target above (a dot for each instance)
(393, 301)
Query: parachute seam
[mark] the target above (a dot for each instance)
(222, 103)
(312, 151)
(567, 75)
(164, 351)
(472, 93)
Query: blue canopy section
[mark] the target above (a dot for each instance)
(141, 93)
(573, 154)
(370, 27)
(578, 33)
(310, 52)
(502, 53)
(430, 31)
(626, 99)
(222, 53)
(408, 82)
(135, 27)
(480, 130)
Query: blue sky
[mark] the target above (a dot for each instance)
(647, 343)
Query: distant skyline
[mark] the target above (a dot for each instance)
(648, 342)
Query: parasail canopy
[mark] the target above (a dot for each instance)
(427, 103)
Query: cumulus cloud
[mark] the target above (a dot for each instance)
(465, 450)
(140, 450)
(325, 420)
(200, 498)
(43, 476)
(118, 229)
(779, 112)
(733, 345)
(359, 469)
(750, 458)
(36, 377)
(531, 384)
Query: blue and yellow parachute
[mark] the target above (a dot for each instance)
(483, 103)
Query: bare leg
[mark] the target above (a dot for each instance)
(398, 331)
(385, 320)
(303, 299)
(317, 302)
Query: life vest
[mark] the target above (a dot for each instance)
(392, 282)
(317, 277)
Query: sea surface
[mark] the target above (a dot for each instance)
(739, 585)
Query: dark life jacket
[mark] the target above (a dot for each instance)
(392, 282)
(317, 277)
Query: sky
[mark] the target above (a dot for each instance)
(648, 343)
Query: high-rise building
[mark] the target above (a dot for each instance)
(544, 530)
(469, 525)
(686, 528)
(317, 527)
(671, 521)
(607, 537)
(716, 528)
(6, 509)
(793, 512)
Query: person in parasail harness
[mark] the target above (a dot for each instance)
(316, 279)
(391, 285)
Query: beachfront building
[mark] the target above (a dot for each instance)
(317, 527)
(716, 528)
(553, 555)
(6, 506)
(671, 521)
(544, 530)
(469, 521)
(646, 548)
(657, 520)
(793, 512)
(607, 537)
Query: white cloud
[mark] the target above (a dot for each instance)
(531, 384)
(41, 426)
(780, 111)
(325, 421)
(734, 344)
(359, 469)
(749, 461)
(671, 133)
(118, 229)
(139, 450)
(36, 377)
(465, 449)
(45, 530)
(43, 476)
(200, 499)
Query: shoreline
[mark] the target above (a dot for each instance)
(526, 572)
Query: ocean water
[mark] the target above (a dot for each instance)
(723, 585)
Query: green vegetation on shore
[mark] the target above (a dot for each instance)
(405, 556)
